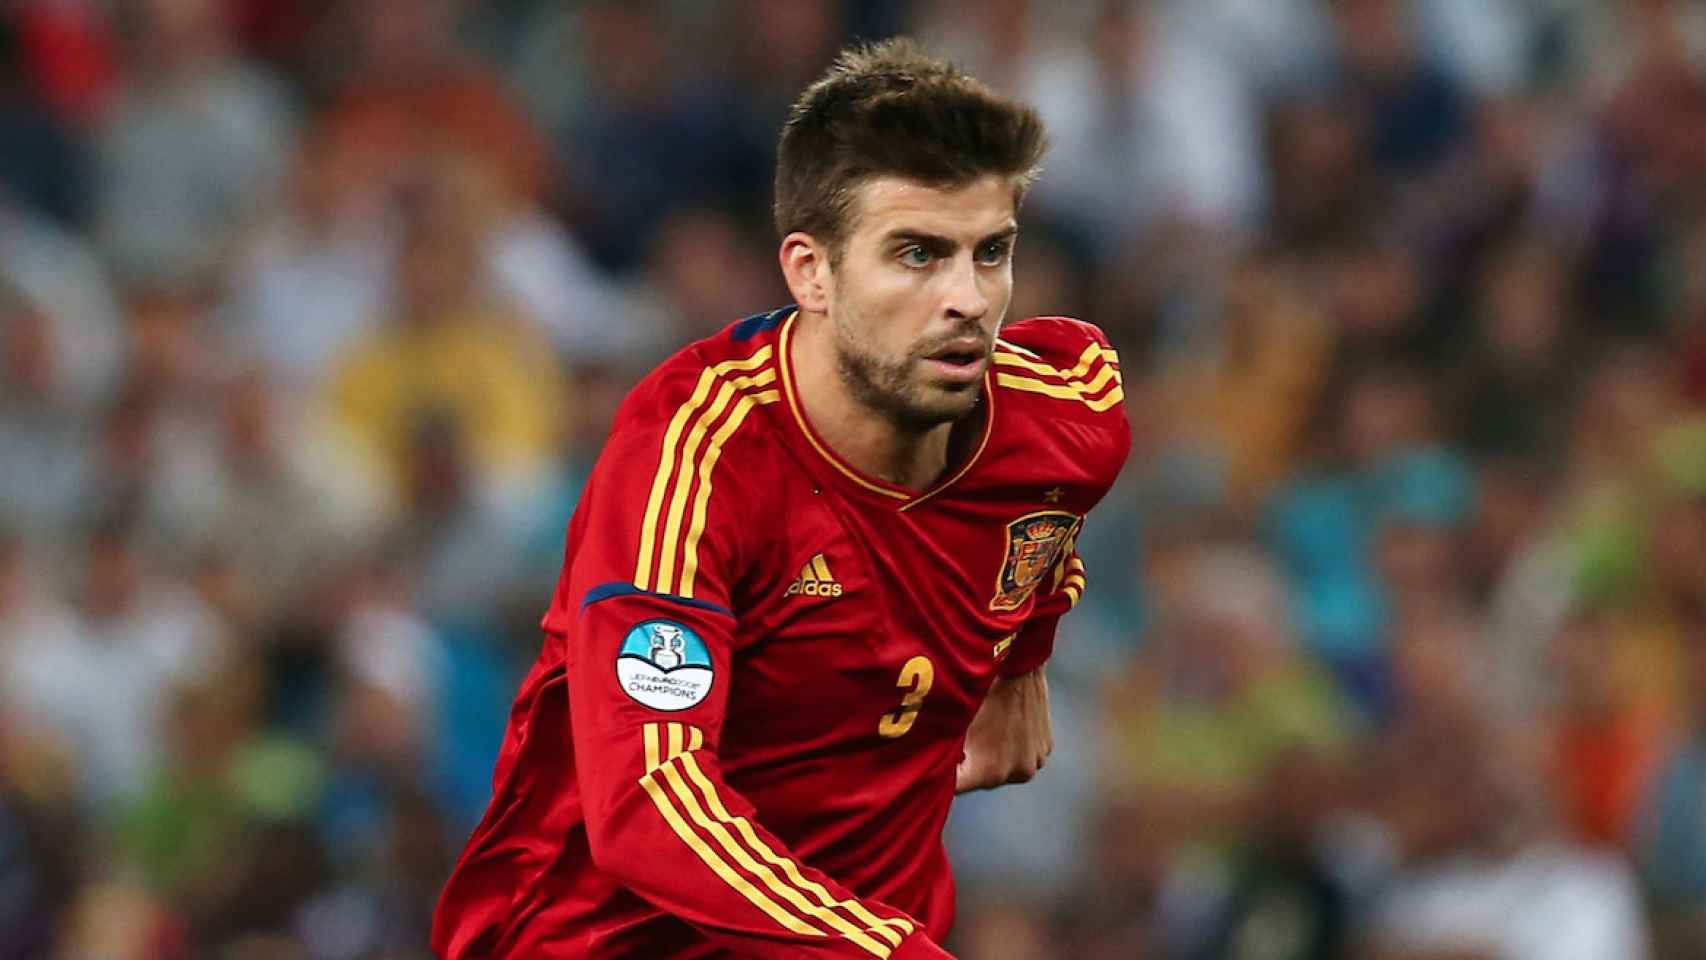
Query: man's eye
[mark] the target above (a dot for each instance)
(915, 256)
(993, 253)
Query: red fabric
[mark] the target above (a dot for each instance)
(382, 127)
(852, 631)
(1605, 768)
(69, 53)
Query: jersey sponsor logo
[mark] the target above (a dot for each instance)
(815, 580)
(1034, 545)
(664, 665)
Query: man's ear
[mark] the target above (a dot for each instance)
(805, 267)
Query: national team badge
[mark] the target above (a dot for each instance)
(1034, 545)
(664, 665)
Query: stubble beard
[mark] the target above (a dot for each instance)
(892, 390)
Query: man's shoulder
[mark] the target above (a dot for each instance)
(1058, 377)
(1064, 366)
(732, 369)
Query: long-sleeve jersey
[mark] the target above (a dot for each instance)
(760, 664)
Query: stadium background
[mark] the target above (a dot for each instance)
(314, 314)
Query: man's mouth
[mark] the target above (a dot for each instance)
(961, 360)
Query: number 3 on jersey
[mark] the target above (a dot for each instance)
(915, 678)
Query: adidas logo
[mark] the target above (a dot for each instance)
(815, 580)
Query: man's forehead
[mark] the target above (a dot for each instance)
(975, 209)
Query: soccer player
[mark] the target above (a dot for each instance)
(812, 582)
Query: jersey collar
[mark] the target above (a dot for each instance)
(903, 498)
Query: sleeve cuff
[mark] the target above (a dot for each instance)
(1032, 647)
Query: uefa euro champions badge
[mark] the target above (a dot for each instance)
(664, 665)
(1034, 545)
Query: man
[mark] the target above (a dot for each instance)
(850, 523)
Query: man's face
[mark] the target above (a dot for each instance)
(922, 285)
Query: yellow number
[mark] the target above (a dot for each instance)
(915, 678)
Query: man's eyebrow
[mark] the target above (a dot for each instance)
(930, 241)
(936, 241)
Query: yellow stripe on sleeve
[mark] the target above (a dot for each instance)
(678, 498)
(651, 738)
(1086, 360)
(701, 499)
(1064, 391)
(1111, 398)
(660, 480)
(893, 929)
(671, 773)
(666, 742)
(667, 456)
(718, 865)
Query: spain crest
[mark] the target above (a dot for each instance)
(1035, 542)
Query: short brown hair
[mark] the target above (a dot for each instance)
(892, 109)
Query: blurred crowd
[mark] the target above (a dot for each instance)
(313, 315)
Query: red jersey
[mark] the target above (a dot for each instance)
(760, 664)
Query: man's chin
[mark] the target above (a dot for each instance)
(943, 403)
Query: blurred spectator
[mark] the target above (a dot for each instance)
(1317, 160)
(448, 350)
(57, 275)
(43, 164)
(1288, 900)
(1607, 743)
(1518, 364)
(461, 547)
(102, 681)
(261, 469)
(194, 150)
(408, 89)
(1482, 871)
(699, 277)
(1387, 472)
(42, 432)
(65, 48)
(1223, 693)
(641, 143)
(1248, 395)
(1006, 931)
(1415, 113)
(37, 874)
(315, 276)
(1150, 121)
(1671, 836)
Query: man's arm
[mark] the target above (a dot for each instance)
(661, 819)
(1011, 737)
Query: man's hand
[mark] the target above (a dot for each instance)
(1010, 738)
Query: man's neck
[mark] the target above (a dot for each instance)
(863, 437)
